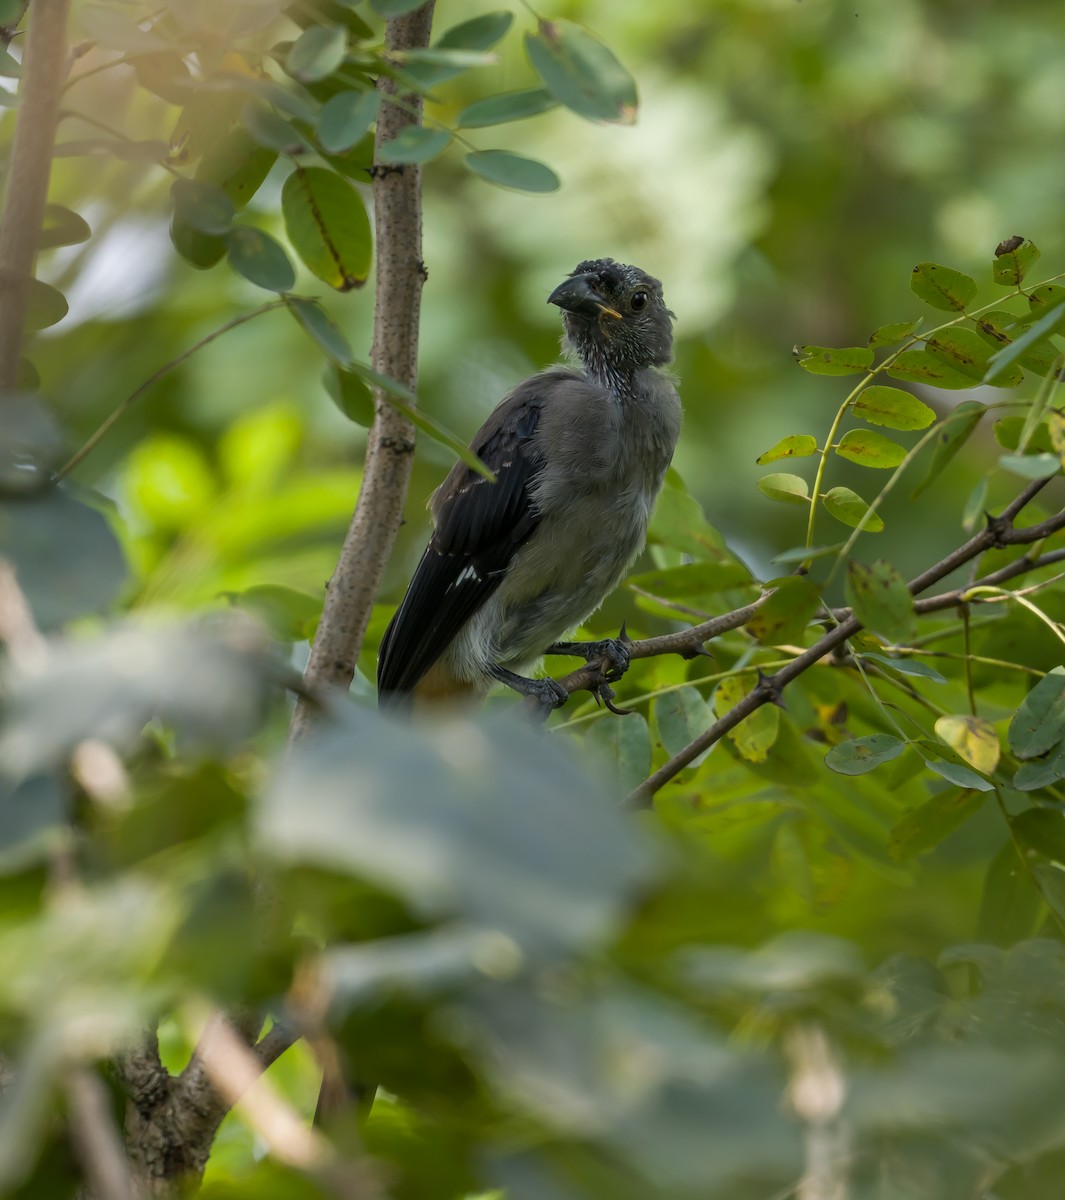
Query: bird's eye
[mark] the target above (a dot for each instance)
(638, 301)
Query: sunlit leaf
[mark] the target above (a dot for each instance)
(955, 430)
(971, 738)
(891, 335)
(792, 489)
(1039, 723)
(892, 407)
(326, 221)
(847, 506)
(508, 106)
(581, 72)
(513, 171)
(825, 360)
(868, 448)
(864, 754)
(880, 599)
(942, 287)
(756, 734)
(1013, 257)
(796, 445)
(259, 258)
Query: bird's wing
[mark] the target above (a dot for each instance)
(479, 527)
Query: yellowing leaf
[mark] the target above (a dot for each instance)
(796, 445)
(973, 739)
(754, 736)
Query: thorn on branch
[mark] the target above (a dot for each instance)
(769, 689)
(997, 527)
(381, 170)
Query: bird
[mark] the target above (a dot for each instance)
(580, 453)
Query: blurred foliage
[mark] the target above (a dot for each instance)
(836, 943)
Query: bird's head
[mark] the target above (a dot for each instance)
(615, 314)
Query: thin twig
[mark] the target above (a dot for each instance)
(379, 511)
(999, 532)
(154, 378)
(95, 1138)
(43, 68)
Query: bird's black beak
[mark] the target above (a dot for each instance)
(578, 294)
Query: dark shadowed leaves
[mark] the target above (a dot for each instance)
(471, 820)
(928, 824)
(1039, 723)
(942, 287)
(62, 227)
(1011, 904)
(864, 754)
(45, 305)
(581, 72)
(1042, 830)
(326, 221)
(880, 599)
(954, 432)
(259, 258)
(513, 171)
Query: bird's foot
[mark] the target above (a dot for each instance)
(546, 694)
(610, 655)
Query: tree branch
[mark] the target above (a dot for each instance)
(999, 532)
(400, 274)
(44, 66)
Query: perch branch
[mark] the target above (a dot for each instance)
(390, 449)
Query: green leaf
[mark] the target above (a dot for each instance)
(921, 366)
(692, 580)
(625, 746)
(395, 8)
(906, 666)
(954, 431)
(1011, 904)
(1013, 257)
(680, 717)
(960, 776)
(259, 258)
(322, 330)
(62, 227)
(317, 52)
(1042, 830)
(202, 206)
(825, 360)
(199, 250)
(346, 119)
(868, 448)
(1041, 772)
(349, 393)
(864, 754)
(999, 327)
(289, 614)
(796, 445)
(755, 735)
(851, 509)
(930, 823)
(972, 739)
(784, 615)
(1047, 324)
(513, 171)
(582, 73)
(327, 224)
(508, 106)
(1039, 723)
(45, 306)
(792, 489)
(479, 33)
(798, 554)
(274, 132)
(966, 352)
(678, 522)
(1045, 297)
(415, 144)
(975, 505)
(893, 408)
(880, 599)
(942, 287)
(1031, 466)
(892, 335)
(403, 400)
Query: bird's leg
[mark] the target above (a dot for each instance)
(546, 692)
(610, 655)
